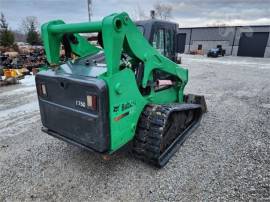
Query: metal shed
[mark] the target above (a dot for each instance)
(251, 41)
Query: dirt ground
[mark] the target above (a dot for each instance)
(226, 158)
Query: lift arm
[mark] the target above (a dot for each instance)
(119, 34)
(53, 33)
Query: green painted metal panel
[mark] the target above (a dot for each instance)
(126, 105)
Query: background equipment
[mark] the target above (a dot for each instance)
(215, 52)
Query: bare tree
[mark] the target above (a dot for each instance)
(30, 26)
(29, 23)
(163, 11)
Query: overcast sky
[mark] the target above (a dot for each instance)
(188, 13)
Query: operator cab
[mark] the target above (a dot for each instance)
(161, 35)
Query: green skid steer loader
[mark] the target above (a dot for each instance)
(126, 89)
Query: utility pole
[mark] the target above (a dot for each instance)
(152, 14)
(89, 6)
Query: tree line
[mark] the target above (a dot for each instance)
(30, 32)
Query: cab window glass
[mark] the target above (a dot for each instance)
(168, 42)
(158, 41)
(141, 28)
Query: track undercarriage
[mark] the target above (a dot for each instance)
(163, 128)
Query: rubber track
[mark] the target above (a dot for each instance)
(148, 135)
(149, 132)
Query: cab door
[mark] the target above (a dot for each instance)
(163, 39)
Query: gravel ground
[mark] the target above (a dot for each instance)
(226, 158)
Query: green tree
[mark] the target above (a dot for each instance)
(3, 22)
(30, 27)
(32, 36)
(6, 36)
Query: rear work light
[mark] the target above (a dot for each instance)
(42, 91)
(91, 101)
